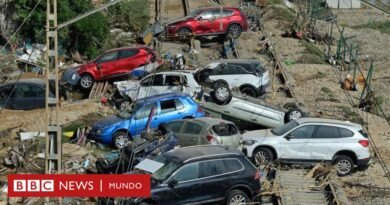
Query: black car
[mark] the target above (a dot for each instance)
(25, 94)
(201, 175)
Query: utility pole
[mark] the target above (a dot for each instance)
(53, 130)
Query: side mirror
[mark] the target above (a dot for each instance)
(288, 137)
(172, 183)
(99, 67)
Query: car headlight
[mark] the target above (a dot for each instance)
(99, 131)
(248, 142)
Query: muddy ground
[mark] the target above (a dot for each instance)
(316, 85)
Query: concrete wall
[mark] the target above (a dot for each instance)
(344, 4)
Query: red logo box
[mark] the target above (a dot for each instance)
(76, 185)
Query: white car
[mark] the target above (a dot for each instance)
(310, 140)
(155, 84)
(248, 75)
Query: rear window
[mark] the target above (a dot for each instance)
(345, 133)
(363, 133)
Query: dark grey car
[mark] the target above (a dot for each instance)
(25, 94)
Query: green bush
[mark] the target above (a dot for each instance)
(381, 26)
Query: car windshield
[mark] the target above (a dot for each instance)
(284, 128)
(195, 12)
(128, 112)
(166, 170)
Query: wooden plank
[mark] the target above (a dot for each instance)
(30, 135)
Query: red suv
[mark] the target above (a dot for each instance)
(207, 21)
(116, 63)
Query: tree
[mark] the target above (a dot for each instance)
(86, 36)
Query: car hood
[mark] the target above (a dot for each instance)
(126, 86)
(180, 20)
(257, 134)
(108, 121)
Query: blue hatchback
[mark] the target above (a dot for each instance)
(119, 129)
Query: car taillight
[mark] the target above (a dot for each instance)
(257, 175)
(211, 139)
(364, 143)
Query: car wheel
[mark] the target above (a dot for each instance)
(293, 114)
(248, 91)
(344, 165)
(237, 197)
(262, 156)
(120, 139)
(222, 94)
(234, 30)
(184, 32)
(86, 81)
(122, 104)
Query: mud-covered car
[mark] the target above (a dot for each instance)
(219, 102)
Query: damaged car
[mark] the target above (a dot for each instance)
(209, 21)
(248, 75)
(201, 174)
(116, 63)
(118, 130)
(308, 141)
(154, 84)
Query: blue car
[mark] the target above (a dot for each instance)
(119, 129)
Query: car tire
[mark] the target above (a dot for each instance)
(122, 104)
(236, 197)
(234, 30)
(120, 139)
(86, 81)
(262, 156)
(293, 114)
(248, 91)
(344, 165)
(221, 93)
(184, 32)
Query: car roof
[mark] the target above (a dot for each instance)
(174, 72)
(161, 97)
(27, 81)
(127, 47)
(328, 121)
(240, 61)
(210, 120)
(193, 153)
(217, 7)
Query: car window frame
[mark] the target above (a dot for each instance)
(184, 129)
(229, 66)
(152, 104)
(318, 127)
(121, 51)
(201, 178)
(99, 60)
(304, 125)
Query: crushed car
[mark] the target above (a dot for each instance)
(154, 84)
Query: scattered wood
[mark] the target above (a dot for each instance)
(30, 135)
(98, 90)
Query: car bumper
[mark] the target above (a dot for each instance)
(363, 162)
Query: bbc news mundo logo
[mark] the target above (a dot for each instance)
(75, 185)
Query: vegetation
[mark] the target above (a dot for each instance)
(283, 13)
(312, 54)
(87, 35)
(326, 90)
(381, 26)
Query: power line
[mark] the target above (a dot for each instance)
(24, 21)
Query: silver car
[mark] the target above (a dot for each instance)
(205, 130)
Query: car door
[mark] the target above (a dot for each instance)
(7, 96)
(191, 134)
(28, 97)
(172, 83)
(177, 127)
(218, 19)
(106, 64)
(328, 140)
(295, 144)
(140, 118)
(204, 24)
(188, 188)
(127, 61)
(169, 110)
(150, 86)
(235, 75)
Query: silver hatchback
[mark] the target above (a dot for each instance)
(205, 130)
